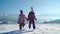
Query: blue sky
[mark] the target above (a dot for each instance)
(46, 9)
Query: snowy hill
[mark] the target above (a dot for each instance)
(40, 29)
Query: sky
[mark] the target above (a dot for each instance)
(46, 9)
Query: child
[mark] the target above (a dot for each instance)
(31, 17)
(21, 19)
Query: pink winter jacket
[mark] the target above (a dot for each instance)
(21, 18)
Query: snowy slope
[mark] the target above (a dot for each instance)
(40, 29)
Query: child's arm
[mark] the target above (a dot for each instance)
(35, 17)
(25, 17)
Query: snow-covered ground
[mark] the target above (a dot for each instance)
(40, 29)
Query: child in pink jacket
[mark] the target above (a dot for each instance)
(21, 19)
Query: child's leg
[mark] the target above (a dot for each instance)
(23, 25)
(20, 26)
(29, 24)
(33, 24)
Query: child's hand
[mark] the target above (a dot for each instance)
(35, 19)
(27, 19)
(18, 22)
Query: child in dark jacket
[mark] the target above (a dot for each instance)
(31, 17)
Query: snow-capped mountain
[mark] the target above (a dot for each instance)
(6, 18)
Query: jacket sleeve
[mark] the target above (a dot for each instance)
(28, 16)
(35, 17)
(25, 17)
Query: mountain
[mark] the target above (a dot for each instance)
(53, 21)
(8, 18)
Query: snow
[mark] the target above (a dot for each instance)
(40, 29)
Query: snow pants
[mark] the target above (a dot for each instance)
(33, 23)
